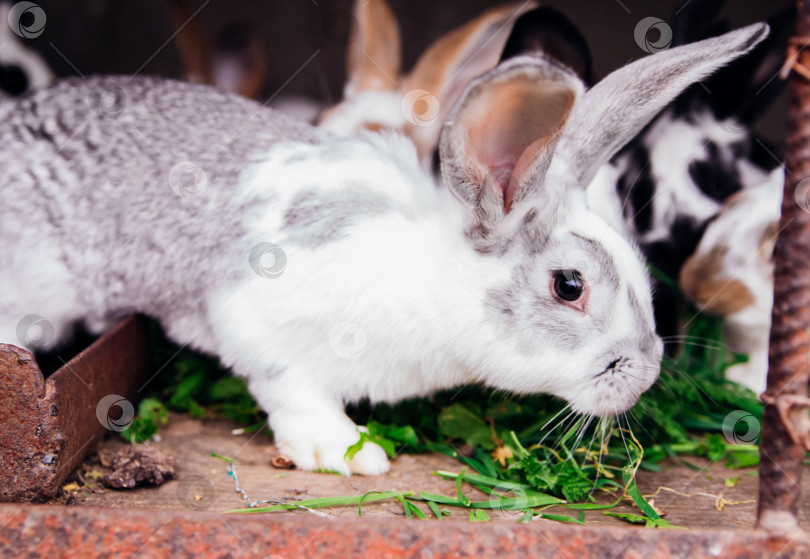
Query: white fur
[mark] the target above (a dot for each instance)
(365, 108)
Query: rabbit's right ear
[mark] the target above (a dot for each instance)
(373, 59)
(499, 139)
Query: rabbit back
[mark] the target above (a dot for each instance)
(113, 181)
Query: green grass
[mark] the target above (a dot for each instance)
(526, 453)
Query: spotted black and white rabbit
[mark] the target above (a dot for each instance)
(327, 270)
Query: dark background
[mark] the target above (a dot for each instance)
(120, 36)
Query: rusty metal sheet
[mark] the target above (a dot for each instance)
(30, 441)
(47, 426)
(54, 531)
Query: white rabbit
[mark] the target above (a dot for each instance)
(731, 275)
(327, 270)
(377, 96)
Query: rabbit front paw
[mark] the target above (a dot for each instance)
(322, 445)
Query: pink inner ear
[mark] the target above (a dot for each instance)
(511, 126)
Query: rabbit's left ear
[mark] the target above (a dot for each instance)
(451, 62)
(374, 56)
(499, 139)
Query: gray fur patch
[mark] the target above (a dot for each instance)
(527, 309)
(640, 318)
(604, 262)
(107, 190)
(538, 228)
(315, 217)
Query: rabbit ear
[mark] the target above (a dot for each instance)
(619, 106)
(240, 60)
(498, 140)
(192, 42)
(548, 31)
(373, 59)
(450, 63)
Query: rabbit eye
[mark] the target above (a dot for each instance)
(568, 286)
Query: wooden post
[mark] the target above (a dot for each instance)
(785, 420)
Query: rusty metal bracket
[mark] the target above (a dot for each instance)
(792, 64)
(47, 426)
(792, 410)
(784, 418)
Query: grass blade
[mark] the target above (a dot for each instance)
(327, 502)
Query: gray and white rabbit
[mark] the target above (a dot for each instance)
(327, 270)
